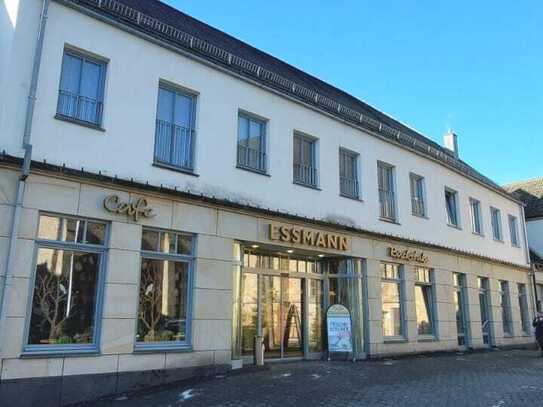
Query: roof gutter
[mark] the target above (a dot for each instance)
(25, 170)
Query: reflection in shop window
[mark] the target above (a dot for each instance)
(424, 301)
(391, 291)
(165, 275)
(65, 291)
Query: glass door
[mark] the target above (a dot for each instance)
(292, 299)
(272, 318)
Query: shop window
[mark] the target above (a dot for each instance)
(523, 306)
(175, 133)
(424, 301)
(348, 174)
(67, 285)
(251, 143)
(418, 205)
(505, 305)
(495, 216)
(460, 308)
(387, 198)
(451, 204)
(165, 289)
(476, 217)
(392, 301)
(305, 160)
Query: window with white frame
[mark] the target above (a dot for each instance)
(67, 285)
(81, 90)
(424, 301)
(387, 198)
(418, 204)
(476, 217)
(251, 143)
(348, 173)
(175, 135)
(495, 216)
(505, 305)
(513, 230)
(305, 160)
(523, 306)
(451, 205)
(392, 300)
(164, 311)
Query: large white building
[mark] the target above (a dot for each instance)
(168, 192)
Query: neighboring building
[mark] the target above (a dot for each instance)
(183, 192)
(531, 193)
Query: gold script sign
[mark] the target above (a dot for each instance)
(138, 208)
(308, 237)
(409, 255)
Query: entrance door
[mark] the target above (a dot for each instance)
(293, 312)
(484, 303)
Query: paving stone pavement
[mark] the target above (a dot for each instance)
(491, 379)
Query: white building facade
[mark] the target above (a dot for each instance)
(178, 193)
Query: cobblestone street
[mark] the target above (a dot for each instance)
(493, 379)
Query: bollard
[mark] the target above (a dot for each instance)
(259, 350)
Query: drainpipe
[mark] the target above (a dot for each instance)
(27, 147)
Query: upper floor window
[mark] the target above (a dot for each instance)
(418, 205)
(305, 162)
(451, 203)
(513, 230)
(348, 173)
(476, 219)
(165, 289)
(496, 219)
(81, 91)
(251, 143)
(67, 285)
(387, 199)
(174, 131)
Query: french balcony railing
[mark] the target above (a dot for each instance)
(251, 158)
(79, 107)
(348, 187)
(388, 211)
(174, 145)
(305, 175)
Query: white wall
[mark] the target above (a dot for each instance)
(126, 147)
(534, 228)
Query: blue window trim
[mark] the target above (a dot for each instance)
(30, 350)
(170, 346)
(101, 87)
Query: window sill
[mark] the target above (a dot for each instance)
(161, 347)
(393, 221)
(428, 338)
(454, 226)
(393, 339)
(314, 187)
(498, 240)
(352, 198)
(67, 351)
(176, 169)
(478, 234)
(79, 122)
(253, 170)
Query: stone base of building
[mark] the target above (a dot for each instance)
(66, 390)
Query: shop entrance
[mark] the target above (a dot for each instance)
(284, 298)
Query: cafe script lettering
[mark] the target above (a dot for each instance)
(409, 255)
(137, 208)
(307, 237)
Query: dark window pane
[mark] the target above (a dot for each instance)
(72, 230)
(63, 304)
(96, 233)
(162, 301)
(184, 244)
(149, 240)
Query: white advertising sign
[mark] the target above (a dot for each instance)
(338, 322)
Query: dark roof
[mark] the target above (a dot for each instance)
(181, 30)
(531, 193)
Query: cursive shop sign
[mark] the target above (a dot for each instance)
(409, 255)
(308, 237)
(136, 208)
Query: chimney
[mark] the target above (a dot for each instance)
(450, 139)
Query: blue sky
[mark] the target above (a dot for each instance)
(473, 66)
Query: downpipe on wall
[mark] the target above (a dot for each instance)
(25, 172)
